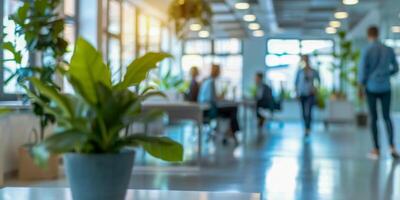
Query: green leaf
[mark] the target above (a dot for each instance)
(4, 111)
(159, 147)
(65, 141)
(87, 69)
(137, 71)
(50, 92)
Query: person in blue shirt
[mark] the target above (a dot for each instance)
(377, 65)
(307, 81)
(208, 95)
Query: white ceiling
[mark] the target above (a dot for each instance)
(283, 18)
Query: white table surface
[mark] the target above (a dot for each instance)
(13, 193)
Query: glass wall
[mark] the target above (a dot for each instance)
(226, 52)
(126, 32)
(283, 61)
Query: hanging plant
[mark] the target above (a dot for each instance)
(182, 12)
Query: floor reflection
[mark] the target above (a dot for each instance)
(278, 163)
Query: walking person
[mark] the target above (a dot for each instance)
(378, 64)
(307, 81)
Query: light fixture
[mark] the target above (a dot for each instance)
(204, 34)
(249, 18)
(396, 29)
(242, 6)
(335, 24)
(254, 26)
(341, 15)
(195, 27)
(350, 2)
(258, 33)
(330, 30)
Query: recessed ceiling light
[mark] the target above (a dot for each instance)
(195, 27)
(341, 15)
(254, 26)
(258, 33)
(204, 34)
(249, 18)
(242, 6)
(335, 24)
(396, 29)
(330, 30)
(350, 2)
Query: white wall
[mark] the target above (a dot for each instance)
(15, 131)
(254, 50)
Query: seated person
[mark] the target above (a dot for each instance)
(264, 98)
(209, 95)
(194, 87)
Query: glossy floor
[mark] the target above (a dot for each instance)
(280, 164)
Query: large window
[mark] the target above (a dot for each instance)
(283, 61)
(9, 90)
(225, 52)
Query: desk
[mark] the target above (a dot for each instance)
(64, 194)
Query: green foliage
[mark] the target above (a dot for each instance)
(348, 59)
(182, 12)
(169, 81)
(322, 96)
(92, 120)
(40, 24)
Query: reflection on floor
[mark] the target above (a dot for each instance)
(279, 163)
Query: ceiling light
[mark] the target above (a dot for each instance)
(330, 30)
(242, 6)
(396, 29)
(350, 2)
(258, 33)
(204, 34)
(254, 26)
(195, 27)
(335, 24)
(249, 18)
(341, 15)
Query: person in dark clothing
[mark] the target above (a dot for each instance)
(264, 98)
(378, 64)
(194, 87)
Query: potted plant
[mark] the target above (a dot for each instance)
(182, 13)
(349, 75)
(346, 67)
(40, 25)
(90, 124)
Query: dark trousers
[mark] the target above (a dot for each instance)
(231, 114)
(385, 99)
(307, 104)
(227, 112)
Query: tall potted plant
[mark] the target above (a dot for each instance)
(349, 58)
(40, 24)
(90, 124)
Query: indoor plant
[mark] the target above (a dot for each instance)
(90, 124)
(41, 26)
(182, 13)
